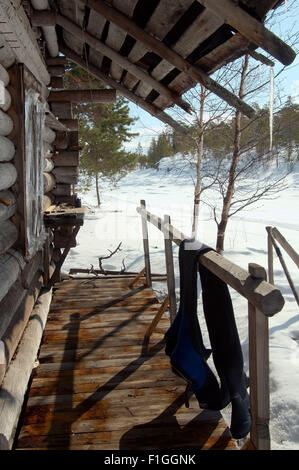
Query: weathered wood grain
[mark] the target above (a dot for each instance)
(97, 388)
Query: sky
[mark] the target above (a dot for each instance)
(286, 24)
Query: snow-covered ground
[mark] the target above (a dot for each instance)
(171, 192)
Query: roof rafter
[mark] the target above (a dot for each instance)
(123, 61)
(251, 28)
(150, 108)
(168, 54)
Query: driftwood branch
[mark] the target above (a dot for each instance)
(101, 258)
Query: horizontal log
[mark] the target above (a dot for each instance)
(6, 123)
(11, 264)
(62, 190)
(56, 82)
(49, 182)
(66, 174)
(30, 270)
(8, 235)
(61, 142)
(71, 200)
(48, 164)
(62, 110)
(73, 138)
(10, 303)
(46, 18)
(261, 294)
(4, 77)
(60, 60)
(15, 383)
(48, 135)
(8, 175)
(67, 158)
(48, 200)
(8, 205)
(56, 70)
(5, 105)
(7, 149)
(48, 150)
(53, 123)
(7, 57)
(15, 329)
(70, 124)
(83, 96)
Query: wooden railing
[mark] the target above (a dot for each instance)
(275, 236)
(264, 300)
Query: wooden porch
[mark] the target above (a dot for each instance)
(99, 385)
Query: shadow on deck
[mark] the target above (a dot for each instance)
(97, 385)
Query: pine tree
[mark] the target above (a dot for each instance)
(103, 131)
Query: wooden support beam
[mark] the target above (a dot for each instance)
(159, 48)
(56, 274)
(146, 247)
(259, 368)
(150, 108)
(123, 61)
(83, 96)
(251, 28)
(285, 244)
(283, 264)
(139, 275)
(156, 320)
(170, 271)
(261, 58)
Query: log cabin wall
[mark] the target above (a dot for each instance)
(21, 276)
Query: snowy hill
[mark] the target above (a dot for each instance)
(168, 191)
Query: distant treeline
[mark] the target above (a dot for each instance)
(218, 137)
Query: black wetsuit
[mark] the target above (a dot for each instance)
(184, 343)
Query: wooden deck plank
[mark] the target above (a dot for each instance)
(98, 387)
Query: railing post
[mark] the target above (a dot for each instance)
(146, 246)
(270, 257)
(259, 369)
(169, 270)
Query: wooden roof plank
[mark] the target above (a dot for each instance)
(74, 11)
(153, 110)
(162, 20)
(170, 55)
(203, 26)
(72, 28)
(251, 28)
(116, 36)
(95, 27)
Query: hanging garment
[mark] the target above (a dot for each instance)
(188, 354)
